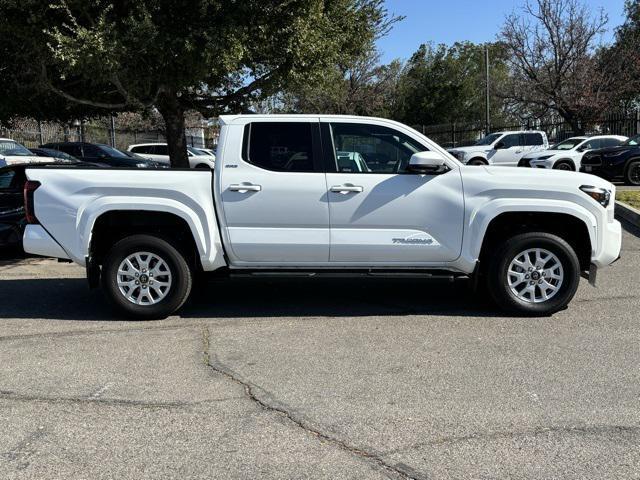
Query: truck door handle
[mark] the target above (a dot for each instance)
(347, 188)
(245, 188)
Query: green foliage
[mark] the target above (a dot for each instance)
(624, 57)
(174, 55)
(446, 84)
(214, 54)
(363, 87)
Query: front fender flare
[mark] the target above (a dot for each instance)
(479, 220)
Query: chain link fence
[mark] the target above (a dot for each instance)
(463, 134)
(32, 134)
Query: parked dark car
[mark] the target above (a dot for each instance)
(12, 214)
(102, 154)
(57, 154)
(12, 220)
(615, 163)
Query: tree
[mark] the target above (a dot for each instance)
(446, 84)
(622, 59)
(363, 87)
(173, 55)
(552, 61)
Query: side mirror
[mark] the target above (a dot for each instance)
(499, 146)
(426, 163)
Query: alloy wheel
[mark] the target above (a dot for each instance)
(144, 278)
(535, 275)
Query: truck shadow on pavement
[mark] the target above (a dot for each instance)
(71, 299)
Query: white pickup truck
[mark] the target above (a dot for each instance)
(313, 195)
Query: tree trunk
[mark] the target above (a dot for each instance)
(572, 119)
(173, 115)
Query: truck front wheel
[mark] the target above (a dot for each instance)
(145, 277)
(534, 274)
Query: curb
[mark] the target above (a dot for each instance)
(630, 214)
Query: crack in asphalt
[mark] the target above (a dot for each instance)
(8, 395)
(534, 432)
(399, 470)
(70, 333)
(25, 449)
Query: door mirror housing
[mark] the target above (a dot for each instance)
(499, 146)
(426, 163)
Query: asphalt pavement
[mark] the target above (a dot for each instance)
(347, 379)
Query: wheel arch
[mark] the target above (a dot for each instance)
(500, 218)
(627, 165)
(114, 225)
(478, 158)
(115, 217)
(566, 160)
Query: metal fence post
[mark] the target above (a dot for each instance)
(40, 136)
(113, 131)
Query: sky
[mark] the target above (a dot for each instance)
(449, 21)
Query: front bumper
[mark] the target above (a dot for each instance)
(610, 245)
(541, 164)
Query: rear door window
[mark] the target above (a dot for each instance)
(533, 139)
(280, 146)
(610, 142)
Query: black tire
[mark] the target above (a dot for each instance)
(477, 162)
(176, 294)
(497, 277)
(566, 165)
(632, 173)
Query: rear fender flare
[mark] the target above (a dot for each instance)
(205, 235)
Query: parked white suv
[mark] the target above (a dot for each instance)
(159, 152)
(502, 148)
(567, 155)
(12, 153)
(313, 195)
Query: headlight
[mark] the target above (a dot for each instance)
(546, 157)
(142, 165)
(600, 195)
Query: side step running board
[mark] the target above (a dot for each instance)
(419, 274)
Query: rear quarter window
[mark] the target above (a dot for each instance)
(279, 146)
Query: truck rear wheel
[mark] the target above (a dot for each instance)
(145, 277)
(536, 274)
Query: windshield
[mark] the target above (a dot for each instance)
(113, 152)
(489, 139)
(567, 144)
(194, 151)
(10, 148)
(633, 141)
